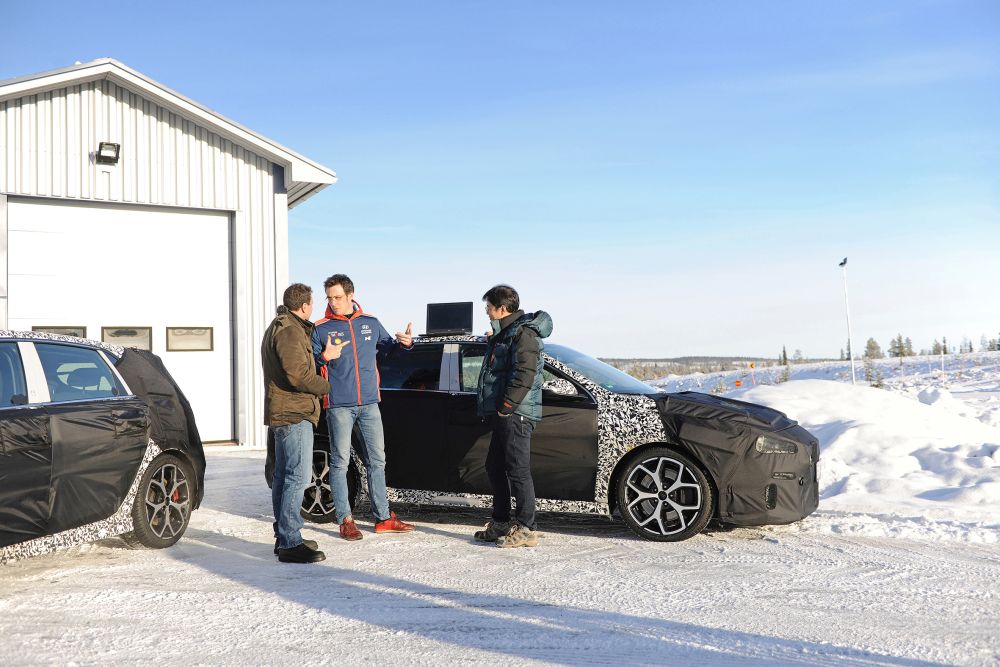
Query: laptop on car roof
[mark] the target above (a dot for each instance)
(449, 319)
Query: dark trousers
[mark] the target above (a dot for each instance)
(508, 465)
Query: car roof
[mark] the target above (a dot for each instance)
(32, 336)
(459, 338)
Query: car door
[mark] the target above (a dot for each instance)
(25, 452)
(563, 444)
(413, 406)
(467, 435)
(99, 434)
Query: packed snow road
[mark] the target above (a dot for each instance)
(814, 593)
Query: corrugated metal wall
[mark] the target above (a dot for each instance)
(47, 147)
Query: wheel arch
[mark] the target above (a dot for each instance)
(620, 466)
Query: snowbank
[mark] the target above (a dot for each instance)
(885, 453)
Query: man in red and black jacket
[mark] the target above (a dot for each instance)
(354, 398)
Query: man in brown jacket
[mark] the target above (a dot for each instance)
(291, 409)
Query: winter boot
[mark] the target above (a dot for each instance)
(518, 536)
(494, 530)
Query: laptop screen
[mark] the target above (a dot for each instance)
(449, 318)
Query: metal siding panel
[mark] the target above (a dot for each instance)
(42, 140)
(3, 146)
(58, 155)
(73, 129)
(46, 147)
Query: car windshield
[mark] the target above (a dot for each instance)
(606, 376)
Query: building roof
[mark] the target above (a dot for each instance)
(303, 177)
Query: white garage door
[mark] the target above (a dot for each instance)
(126, 269)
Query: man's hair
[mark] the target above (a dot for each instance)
(503, 296)
(297, 295)
(339, 279)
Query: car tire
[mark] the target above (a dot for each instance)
(664, 496)
(163, 503)
(317, 501)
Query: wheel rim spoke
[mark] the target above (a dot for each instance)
(168, 502)
(673, 505)
(318, 498)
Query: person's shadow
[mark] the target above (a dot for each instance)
(510, 627)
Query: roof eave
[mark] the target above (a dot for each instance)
(298, 169)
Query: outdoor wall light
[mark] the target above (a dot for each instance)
(107, 153)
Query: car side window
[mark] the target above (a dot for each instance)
(13, 389)
(556, 384)
(419, 368)
(471, 359)
(77, 373)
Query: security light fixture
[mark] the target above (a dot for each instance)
(107, 153)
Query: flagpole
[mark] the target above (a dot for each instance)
(850, 341)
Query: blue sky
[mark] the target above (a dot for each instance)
(664, 178)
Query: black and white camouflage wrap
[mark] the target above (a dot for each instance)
(116, 350)
(118, 523)
(624, 422)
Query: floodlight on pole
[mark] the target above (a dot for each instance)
(850, 342)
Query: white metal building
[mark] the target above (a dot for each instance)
(179, 245)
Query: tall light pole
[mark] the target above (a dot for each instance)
(850, 342)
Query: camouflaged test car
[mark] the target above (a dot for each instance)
(668, 463)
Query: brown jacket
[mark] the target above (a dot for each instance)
(291, 385)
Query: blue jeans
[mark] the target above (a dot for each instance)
(293, 447)
(340, 422)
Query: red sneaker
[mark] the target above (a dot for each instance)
(392, 525)
(349, 531)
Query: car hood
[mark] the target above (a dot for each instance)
(718, 409)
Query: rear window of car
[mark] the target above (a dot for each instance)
(77, 373)
(472, 363)
(419, 368)
(13, 390)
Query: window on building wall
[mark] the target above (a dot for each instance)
(190, 339)
(79, 332)
(140, 337)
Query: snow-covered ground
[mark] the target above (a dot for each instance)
(900, 565)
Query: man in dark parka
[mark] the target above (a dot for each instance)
(510, 398)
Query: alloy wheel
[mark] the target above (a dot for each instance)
(168, 501)
(663, 495)
(317, 501)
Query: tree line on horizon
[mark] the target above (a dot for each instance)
(900, 347)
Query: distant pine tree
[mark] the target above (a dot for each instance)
(944, 344)
(908, 347)
(872, 350)
(842, 357)
(936, 347)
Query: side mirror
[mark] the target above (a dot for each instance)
(19, 399)
(560, 387)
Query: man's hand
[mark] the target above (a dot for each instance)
(332, 350)
(405, 338)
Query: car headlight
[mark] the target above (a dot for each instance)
(768, 445)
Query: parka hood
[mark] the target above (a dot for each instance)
(540, 322)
